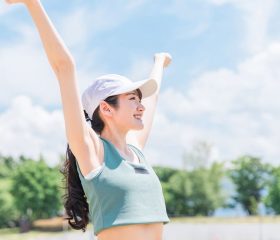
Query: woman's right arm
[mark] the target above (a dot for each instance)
(83, 144)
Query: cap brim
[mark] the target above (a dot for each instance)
(147, 87)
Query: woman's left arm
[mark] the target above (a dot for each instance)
(139, 138)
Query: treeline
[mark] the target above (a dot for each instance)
(30, 189)
(202, 190)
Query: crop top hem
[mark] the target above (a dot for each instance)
(144, 221)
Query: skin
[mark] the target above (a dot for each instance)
(120, 125)
(119, 121)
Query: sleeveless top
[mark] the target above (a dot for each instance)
(122, 192)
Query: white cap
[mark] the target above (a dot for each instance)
(113, 84)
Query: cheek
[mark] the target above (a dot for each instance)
(123, 113)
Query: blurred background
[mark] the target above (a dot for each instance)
(215, 137)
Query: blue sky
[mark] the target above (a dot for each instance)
(221, 88)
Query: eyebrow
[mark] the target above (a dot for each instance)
(133, 93)
(130, 93)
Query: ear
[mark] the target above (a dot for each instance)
(105, 109)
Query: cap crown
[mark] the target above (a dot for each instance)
(114, 84)
(101, 88)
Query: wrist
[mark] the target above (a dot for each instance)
(159, 59)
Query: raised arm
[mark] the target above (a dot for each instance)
(139, 138)
(63, 65)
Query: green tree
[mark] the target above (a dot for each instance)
(249, 175)
(196, 192)
(273, 198)
(178, 191)
(36, 189)
(7, 166)
(164, 173)
(206, 192)
(205, 180)
(8, 212)
(175, 188)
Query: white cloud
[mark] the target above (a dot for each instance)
(28, 129)
(4, 8)
(236, 111)
(25, 70)
(84, 21)
(132, 5)
(193, 14)
(256, 15)
(140, 69)
(74, 26)
(185, 10)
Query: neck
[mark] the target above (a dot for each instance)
(118, 139)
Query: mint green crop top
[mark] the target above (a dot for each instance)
(123, 193)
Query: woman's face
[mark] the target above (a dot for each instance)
(130, 111)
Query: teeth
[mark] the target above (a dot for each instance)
(137, 116)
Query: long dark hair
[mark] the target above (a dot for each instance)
(75, 201)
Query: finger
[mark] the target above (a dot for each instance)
(167, 55)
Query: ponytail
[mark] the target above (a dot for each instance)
(75, 201)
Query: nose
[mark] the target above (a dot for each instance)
(141, 107)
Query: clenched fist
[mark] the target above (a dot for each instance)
(166, 57)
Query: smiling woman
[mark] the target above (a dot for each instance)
(109, 181)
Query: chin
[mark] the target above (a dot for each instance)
(139, 127)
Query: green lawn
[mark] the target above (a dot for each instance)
(13, 234)
(251, 219)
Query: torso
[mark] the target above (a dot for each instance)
(150, 231)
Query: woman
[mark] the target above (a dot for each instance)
(108, 178)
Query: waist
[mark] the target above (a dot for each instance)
(149, 231)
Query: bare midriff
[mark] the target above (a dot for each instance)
(149, 231)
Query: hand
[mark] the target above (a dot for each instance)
(163, 56)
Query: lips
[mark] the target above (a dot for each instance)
(138, 116)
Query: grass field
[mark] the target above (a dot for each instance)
(251, 219)
(13, 234)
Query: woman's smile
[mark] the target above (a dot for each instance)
(138, 116)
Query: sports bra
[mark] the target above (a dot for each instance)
(122, 192)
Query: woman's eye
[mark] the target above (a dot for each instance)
(133, 98)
